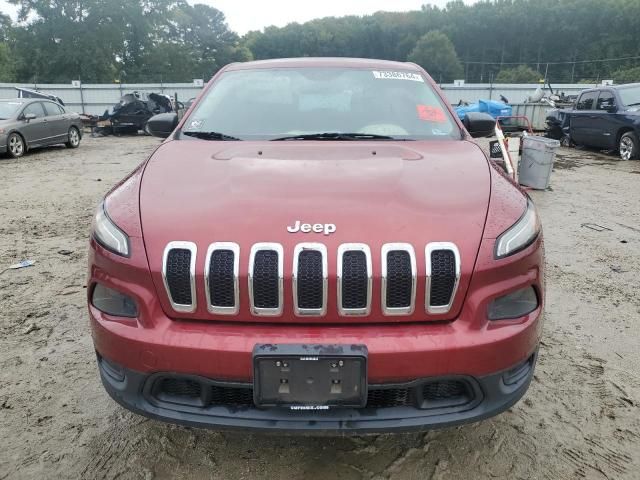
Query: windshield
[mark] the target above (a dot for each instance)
(281, 103)
(630, 95)
(7, 109)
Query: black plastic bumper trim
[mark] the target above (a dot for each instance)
(496, 397)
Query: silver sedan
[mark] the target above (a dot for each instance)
(27, 123)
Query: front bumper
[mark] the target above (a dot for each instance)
(489, 396)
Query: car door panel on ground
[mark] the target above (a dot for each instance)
(35, 130)
(57, 122)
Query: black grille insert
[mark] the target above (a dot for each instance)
(221, 278)
(355, 280)
(443, 277)
(310, 280)
(399, 279)
(434, 394)
(180, 387)
(178, 275)
(390, 397)
(266, 282)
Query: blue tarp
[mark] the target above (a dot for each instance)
(493, 108)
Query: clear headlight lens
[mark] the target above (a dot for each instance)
(108, 234)
(514, 305)
(113, 303)
(520, 235)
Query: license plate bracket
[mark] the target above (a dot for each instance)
(310, 377)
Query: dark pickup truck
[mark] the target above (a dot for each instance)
(604, 117)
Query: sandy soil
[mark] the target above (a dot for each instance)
(580, 419)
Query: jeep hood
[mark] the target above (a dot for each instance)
(373, 192)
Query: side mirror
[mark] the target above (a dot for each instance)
(479, 124)
(612, 108)
(162, 125)
(29, 116)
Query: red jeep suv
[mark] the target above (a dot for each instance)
(318, 246)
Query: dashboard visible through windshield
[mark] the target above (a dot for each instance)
(321, 104)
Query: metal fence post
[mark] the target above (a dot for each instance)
(81, 97)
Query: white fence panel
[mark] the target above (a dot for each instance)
(96, 98)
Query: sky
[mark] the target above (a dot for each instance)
(245, 15)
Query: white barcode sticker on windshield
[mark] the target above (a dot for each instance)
(386, 75)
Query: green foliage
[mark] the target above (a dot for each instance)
(436, 54)
(627, 75)
(7, 73)
(519, 74)
(173, 40)
(126, 40)
(503, 32)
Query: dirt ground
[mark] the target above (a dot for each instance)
(579, 420)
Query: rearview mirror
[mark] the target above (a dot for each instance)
(29, 116)
(162, 125)
(479, 124)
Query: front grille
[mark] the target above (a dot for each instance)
(178, 273)
(309, 275)
(310, 280)
(233, 396)
(266, 279)
(391, 397)
(204, 393)
(354, 280)
(182, 388)
(443, 274)
(443, 390)
(443, 277)
(221, 276)
(398, 279)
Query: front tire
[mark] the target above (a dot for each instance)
(16, 146)
(629, 147)
(74, 138)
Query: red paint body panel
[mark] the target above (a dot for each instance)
(412, 192)
(470, 345)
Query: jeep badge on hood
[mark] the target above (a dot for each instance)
(327, 228)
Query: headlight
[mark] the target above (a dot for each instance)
(113, 303)
(108, 234)
(514, 305)
(520, 235)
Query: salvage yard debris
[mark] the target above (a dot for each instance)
(131, 113)
(22, 264)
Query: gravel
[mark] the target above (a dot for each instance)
(580, 419)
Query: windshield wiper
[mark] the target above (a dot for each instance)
(211, 136)
(336, 136)
(633, 104)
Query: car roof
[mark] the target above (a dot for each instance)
(328, 62)
(628, 85)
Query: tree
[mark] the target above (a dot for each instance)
(519, 74)
(7, 60)
(7, 73)
(437, 55)
(627, 75)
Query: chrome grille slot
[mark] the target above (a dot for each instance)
(266, 279)
(310, 279)
(443, 276)
(354, 279)
(178, 275)
(398, 279)
(221, 278)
